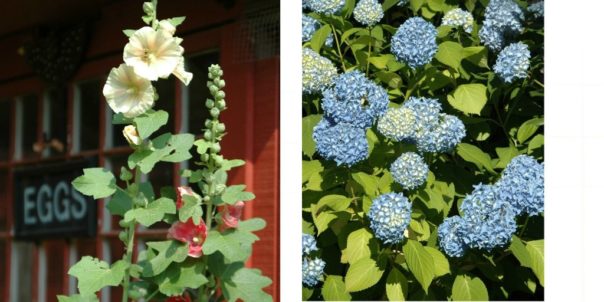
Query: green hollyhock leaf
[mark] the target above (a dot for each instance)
(119, 203)
(396, 286)
(94, 274)
(239, 282)
(467, 288)
(362, 275)
(334, 289)
(166, 147)
(235, 193)
(420, 262)
(149, 122)
(167, 252)
(153, 213)
(174, 280)
(234, 245)
(177, 20)
(227, 165)
(469, 98)
(191, 208)
(78, 298)
(96, 182)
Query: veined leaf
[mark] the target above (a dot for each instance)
(467, 288)
(362, 274)
(96, 182)
(334, 289)
(420, 262)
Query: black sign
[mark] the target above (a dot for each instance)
(46, 205)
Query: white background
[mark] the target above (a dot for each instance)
(574, 123)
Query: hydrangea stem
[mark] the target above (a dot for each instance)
(335, 36)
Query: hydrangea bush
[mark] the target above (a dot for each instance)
(203, 255)
(423, 150)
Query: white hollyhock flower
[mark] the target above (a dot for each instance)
(131, 135)
(181, 73)
(128, 93)
(153, 53)
(167, 26)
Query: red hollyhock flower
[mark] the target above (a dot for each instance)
(180, 191)
(230, 215)
(190, 233)
(183, 298)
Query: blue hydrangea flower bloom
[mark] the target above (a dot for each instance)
(444, 137)
(521, 185)
(427, 112)
(502, 18)
(309, 26)
(491, 36)
(342, 142)
(513, 62)
(317, 72)
(402, 2)
(389, 217)
(537, 9)
(490, 222)
(368, 12)
(398, 124)
(309, 244)
(409, 170)
(305, 4)
(354, 99)
(328, 7)
(450, 234)
(459, 18)
(415, 42)
(312, 271)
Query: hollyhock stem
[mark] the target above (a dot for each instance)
(130, 245)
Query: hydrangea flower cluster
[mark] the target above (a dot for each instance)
(328, 7)
(309, 244)
(409, 170)
(312, 271)
(459, 18)
(502, 18)
(521, 185)
(513, 62)
(344, 143)
(398, 124)
(368, 12)
(415, 42)
(537, 9)
(309, 26)
(430, 129)
(389, 217)
(489, 212)
(354, 99)
(317, 72)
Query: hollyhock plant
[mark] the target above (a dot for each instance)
(194, 235)
(196, 260)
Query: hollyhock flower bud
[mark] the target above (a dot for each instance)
(194, 235)
(180, 192)
(167, 26)
(230, 215)
(131, 135)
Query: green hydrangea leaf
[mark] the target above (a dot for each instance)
(334, 289)
(357, 246)
(96, 182)
(420, 262)
(362, 275)
(535, 251)
(469, 98)
(441, 264)
(396, 286)
(94, 274)
(468, 288)
(308, 124)
(153, 213)
(473, 154)
(450, 54)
